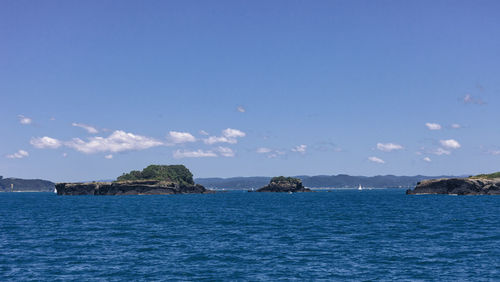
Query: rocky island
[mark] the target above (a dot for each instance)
(483, 184)
(153, 180)
(284, 184)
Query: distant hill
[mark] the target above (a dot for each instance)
(26, 185)
(320, 181)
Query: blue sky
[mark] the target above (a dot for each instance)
(91, 89)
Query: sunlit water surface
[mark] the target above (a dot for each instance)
(339, 235)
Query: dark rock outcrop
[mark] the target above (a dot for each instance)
(132, 187)
(458, 186)
(284, 184)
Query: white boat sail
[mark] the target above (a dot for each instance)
(360, 187)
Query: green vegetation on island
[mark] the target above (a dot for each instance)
(487, 176)
(173, 173)
(289, 180)
(284, 184)
(152, 180)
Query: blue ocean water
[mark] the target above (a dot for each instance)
(340, 235)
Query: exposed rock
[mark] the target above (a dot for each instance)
(131, 187)
(458, 186)
(284, 184)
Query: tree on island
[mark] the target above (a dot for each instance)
(289, 180)
(174, 173)
(284, 184)
(487, 176)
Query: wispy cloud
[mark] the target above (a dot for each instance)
(203, 132)
(263, 150)
(450, 143)
(427, 159)
(108, 157)
(90, 129)
(45, 142)
(300, 149)
(469, 99)
(433, 126)
(179, 154)
(225, 151)
(456, 126)
(229, 135)
(241, 109)
(177, 137)
(118, 141)
(376, 160)
(18, 155)
(326, 146)
(494, 152)
(24, 120)
(440, 152)
(388, 147)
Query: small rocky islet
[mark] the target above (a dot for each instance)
(153, 180)
(177, 179)
(284, 184)
(483, 184)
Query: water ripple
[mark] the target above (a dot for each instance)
(342, 235)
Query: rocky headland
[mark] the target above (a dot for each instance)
(153, 180)
(458, 186)
(284, 184)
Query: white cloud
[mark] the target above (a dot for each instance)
(300, 149)
(45, 142)
(65, 155)
(18, 155)
(203, 132)
(441, 151)
(433, 126)
(376, 160)
(118, 141)
(225, 151)
(456, 126)
(179, 154)
(241, 109)
(90, 129)
(176, 137)
(468, 99)
(214, 139)
(450, 144)
(427, 159)
(229, 135)
(109, 157)
(388, 147)
(495, 152)
(24, 120)
(233, 133)
(263, 150)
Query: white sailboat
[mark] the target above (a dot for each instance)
(360, 187)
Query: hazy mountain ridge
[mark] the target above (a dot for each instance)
(320, 181)
(26, 185)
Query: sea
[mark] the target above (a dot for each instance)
(340, 235)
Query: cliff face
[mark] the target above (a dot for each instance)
(458, 186)
(283, 184)
(133, 187)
